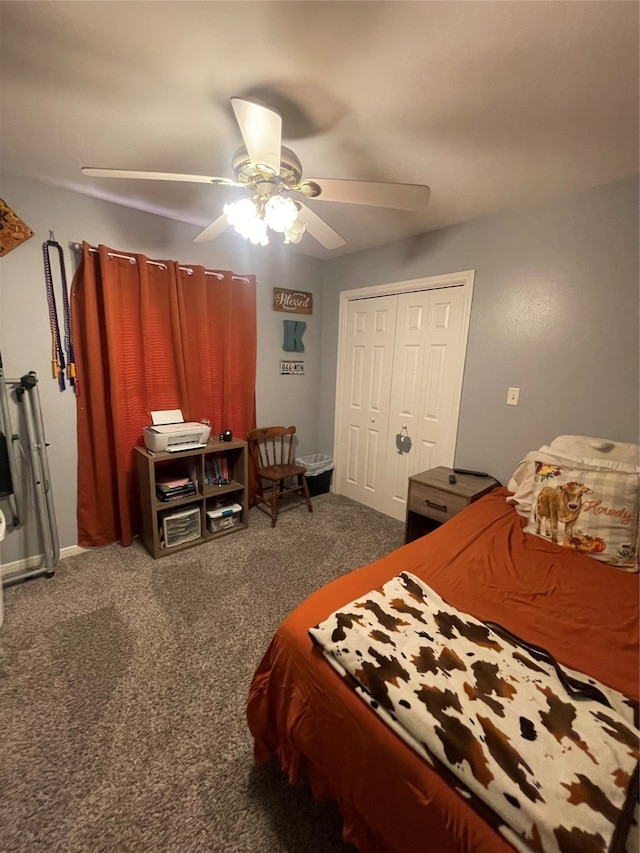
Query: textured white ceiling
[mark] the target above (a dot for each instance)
(495, 105)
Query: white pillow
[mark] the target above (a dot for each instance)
(590, 447)
(609, 465)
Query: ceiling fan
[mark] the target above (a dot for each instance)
(273, 176)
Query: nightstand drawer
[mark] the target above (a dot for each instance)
(434, 503)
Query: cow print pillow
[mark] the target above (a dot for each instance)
(594, 512)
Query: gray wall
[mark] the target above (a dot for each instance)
(25, 338)
(555, 313)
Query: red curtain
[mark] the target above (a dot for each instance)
(152, 335)
(218, 321)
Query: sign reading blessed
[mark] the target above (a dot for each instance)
(292, 301)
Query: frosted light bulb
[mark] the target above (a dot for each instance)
(294, 233)
(280, 213)
(241, 214)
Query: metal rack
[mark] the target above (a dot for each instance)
(25, 391)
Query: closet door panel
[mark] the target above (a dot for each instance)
(365, 405)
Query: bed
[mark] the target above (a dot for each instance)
(488, 563)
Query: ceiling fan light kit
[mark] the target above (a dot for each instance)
(270, 171)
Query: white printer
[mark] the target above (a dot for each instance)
(170, 432)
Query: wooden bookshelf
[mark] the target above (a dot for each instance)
(151, 466)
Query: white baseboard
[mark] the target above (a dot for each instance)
(37, 560)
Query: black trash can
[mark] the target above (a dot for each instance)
(319, 470)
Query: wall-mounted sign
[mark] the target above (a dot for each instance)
(13, 230)
(293, 332)
(292, 301)
(292, 367)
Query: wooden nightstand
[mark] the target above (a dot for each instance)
(432, 499)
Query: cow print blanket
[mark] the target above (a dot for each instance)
(557, 767)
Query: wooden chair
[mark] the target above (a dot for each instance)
(272, 453)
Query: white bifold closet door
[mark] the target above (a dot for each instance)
(403, 376)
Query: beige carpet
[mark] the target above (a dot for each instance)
(123, 683)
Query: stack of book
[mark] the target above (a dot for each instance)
(216, 470)
(173, 488)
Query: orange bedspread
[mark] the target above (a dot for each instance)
(482, 563)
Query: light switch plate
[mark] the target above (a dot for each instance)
(513, 396)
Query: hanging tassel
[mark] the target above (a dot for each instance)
(58, 356)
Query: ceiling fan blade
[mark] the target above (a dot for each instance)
(212, 231)
(373, 193)
(261, 130)
(319, 229)
(94, 172)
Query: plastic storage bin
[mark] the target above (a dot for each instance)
(179, 527)
(223, 517)
(319, 469)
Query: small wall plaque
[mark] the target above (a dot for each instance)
(292, 367)
(292, 301)
(13, 231)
